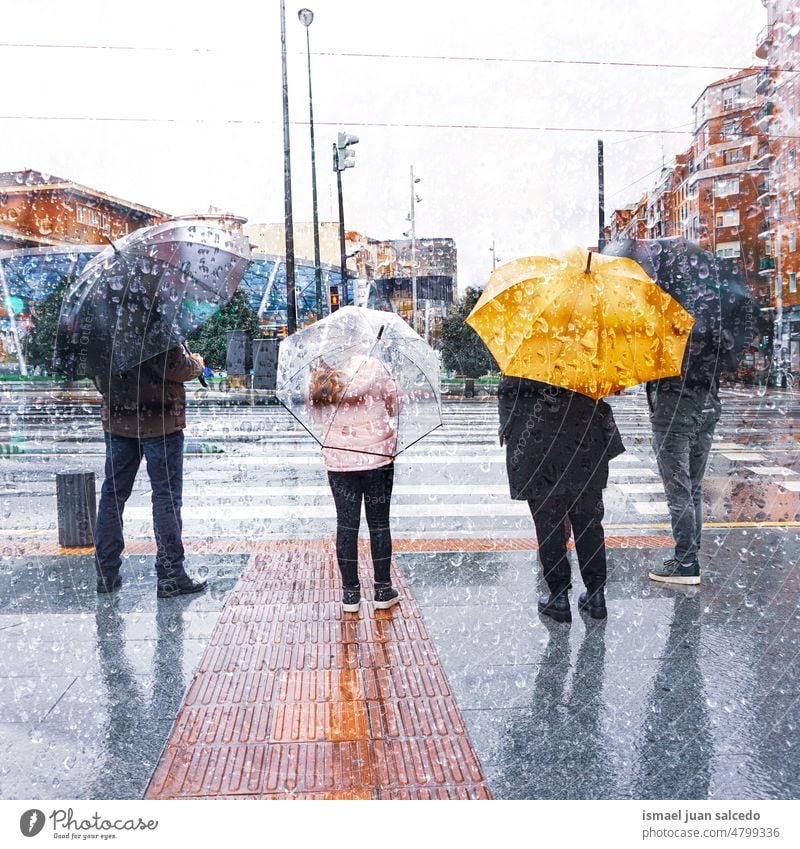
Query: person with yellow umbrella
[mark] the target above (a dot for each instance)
(567, 331)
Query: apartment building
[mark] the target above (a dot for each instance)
(779, 44)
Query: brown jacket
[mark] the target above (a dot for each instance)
(149, 400)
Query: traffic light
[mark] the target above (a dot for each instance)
(334, 298)
(345, 156)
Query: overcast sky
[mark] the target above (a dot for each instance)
(189, 113)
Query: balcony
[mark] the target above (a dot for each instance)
(764, 192)
(766, 228)
(766, 264)
(764, 157)
(764, 83)
(764, 41)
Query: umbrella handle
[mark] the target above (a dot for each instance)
(201, 379)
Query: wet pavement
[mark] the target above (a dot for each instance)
(682, 693)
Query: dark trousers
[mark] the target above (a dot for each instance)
(585, 512)
(682, 460)
(374, 487)
(164, 458)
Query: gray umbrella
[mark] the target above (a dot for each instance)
(146, 292)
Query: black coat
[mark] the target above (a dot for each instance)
(558, 442)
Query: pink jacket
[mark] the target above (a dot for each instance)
(364, 421)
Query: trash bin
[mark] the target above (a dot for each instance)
(469, 387)
(77, 508)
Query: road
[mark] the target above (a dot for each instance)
(268, 480)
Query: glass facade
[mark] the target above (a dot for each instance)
(28, 276)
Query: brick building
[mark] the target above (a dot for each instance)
(714, 193)
(779, 44)
(40, 210)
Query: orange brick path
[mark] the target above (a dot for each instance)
(45, 547)
(295, 699)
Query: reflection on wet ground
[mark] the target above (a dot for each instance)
(682, 693)
(92, 684)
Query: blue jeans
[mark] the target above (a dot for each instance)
(682, 459)
(164, 457)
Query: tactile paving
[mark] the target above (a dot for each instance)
(295, 699)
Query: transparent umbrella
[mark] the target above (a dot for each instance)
(361, 380)
(146, 292)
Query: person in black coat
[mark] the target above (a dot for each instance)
(558, 444)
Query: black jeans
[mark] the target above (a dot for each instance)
(585, 511)
(375, 488)
(164, 456)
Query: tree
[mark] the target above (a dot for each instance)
(463, 350)
(211, 341)
(40, 342)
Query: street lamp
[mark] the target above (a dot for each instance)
(306, 16)
(415, 199)
(494, 256)
(291, 301)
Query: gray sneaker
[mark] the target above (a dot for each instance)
(675, 572)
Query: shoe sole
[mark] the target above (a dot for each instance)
(684, 580)
(385, 605)
(557, 615)
(159, 594)
(350, 608)
(593, 611)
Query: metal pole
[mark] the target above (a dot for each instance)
(317, 264)
(291, 301)
(342, 248)
(777, 337)
(601, 198)
(413, 257)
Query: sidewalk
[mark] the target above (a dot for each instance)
(261, 687)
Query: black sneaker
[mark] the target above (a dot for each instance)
(351, 599)
(556, 606)
(386, 597)
(107, 584)
(183, 585)
(675, 572)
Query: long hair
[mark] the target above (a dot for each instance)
(327, 384)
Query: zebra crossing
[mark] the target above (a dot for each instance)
(270, 480)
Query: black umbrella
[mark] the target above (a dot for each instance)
(145, 293)
(711, 289)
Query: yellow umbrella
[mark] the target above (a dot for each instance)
(588, 322)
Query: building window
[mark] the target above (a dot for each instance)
(735, 155)
(723, 188)
(105, 224)
(728, 218)
(790, 201)
(792, 283)
(731, 97)
(792, 240)
(94, 218)
(791, 157)
(731, 128)
(728, 250)
(82, 214)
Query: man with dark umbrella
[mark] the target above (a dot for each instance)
(144, 415)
